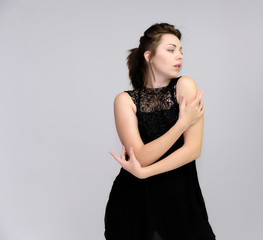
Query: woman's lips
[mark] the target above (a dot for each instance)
(178, 66)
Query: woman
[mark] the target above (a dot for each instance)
(156, 195)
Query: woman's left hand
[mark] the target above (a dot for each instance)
(132, 165)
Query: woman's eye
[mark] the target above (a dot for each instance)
(170, 50)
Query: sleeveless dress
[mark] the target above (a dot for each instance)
(168, 206)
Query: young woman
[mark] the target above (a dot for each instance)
(156, 195)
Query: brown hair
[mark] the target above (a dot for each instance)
(136, 62)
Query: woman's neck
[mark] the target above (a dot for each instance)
(154, 80)
(157, 83)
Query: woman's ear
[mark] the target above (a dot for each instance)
(147, 55)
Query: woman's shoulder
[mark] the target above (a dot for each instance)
(127, 94)
(129, 97)
(186, 82)
(186, 86)
(122, 96)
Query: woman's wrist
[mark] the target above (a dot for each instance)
(181, 125)
(147, 172)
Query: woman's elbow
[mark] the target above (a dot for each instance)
(197, 152)
(142, 162)
(194, 152)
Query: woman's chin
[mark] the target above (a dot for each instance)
(175, 75)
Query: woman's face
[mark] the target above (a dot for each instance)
(167, 61)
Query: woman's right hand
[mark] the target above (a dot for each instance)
(190, 113)
(132, 165)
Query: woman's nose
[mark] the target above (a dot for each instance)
(180, 56)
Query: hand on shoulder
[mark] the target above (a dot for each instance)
(191, 105)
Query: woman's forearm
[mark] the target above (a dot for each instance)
(190, 151)
(152, 151)
(175, 160)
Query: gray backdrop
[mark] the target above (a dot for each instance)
(63, 62)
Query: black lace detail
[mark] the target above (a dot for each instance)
(157, 110)
(154, 99)
(134, 94)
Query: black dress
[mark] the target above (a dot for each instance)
(168, 206)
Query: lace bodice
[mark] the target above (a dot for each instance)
(154, 99)
(157, 110)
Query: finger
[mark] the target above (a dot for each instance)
(196, 101)
(200, 95)
(123, 152)
(117, 158)
(183, 101)
(131, 153)
(202, 111)
(201, 102)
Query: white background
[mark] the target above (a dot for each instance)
(61, 65)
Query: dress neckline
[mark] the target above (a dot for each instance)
(156, 90)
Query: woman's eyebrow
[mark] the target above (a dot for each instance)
(174, 45)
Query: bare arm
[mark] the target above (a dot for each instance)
(187, 153)
(192, 138)
(127, 128)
